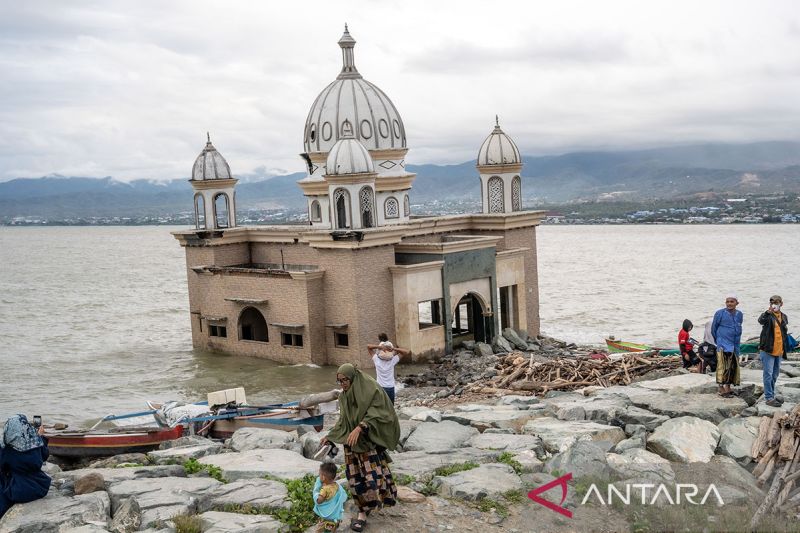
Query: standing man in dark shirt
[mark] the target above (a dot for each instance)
(773, 345)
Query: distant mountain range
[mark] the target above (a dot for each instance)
(663, 173)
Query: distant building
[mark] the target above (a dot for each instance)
(362, 265)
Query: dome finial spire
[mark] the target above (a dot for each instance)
(208, 136)
(347, 43)
(497, 121)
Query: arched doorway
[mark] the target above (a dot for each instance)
(252, 326)
(469, 320)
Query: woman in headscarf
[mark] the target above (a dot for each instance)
(367, 427)
(23, 451)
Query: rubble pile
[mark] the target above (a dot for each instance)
(516, 362)
(519, 372)
(777, 449)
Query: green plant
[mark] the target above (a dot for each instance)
(193, 466)
(404, 479)
(300, 515)
(486, 505)
(556, 472)
(129, 465)
(452, 469)
(187, 523)
(508, 459)
(514, 496)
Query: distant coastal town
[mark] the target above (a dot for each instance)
(746, 209)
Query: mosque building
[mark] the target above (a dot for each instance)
(363, 264)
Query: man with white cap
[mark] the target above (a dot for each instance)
(773, 344)
(726, 328)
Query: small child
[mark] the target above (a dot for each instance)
(686, 344)
(329, 498)
(385, 357)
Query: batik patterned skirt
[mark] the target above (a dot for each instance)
(727, 368)
(370, 479)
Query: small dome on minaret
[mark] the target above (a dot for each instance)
(498, 148)
(348, 156)
(210, 165)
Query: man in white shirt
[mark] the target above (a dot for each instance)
(385, 357)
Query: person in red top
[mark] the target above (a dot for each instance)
(686, 344)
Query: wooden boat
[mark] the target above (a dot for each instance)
(102, 443)
(286, 417)
(617, 346)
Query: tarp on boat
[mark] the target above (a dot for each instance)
(175, 412)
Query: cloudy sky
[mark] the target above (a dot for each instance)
(128, 89)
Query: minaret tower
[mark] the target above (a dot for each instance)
(499, 166)
(214, 194)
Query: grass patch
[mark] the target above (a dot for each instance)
(507, 458)
(514, 496)
(487, 504)
(129, 465)
(187, 523)
(244, 509)
(452, 469)
(300, 516)
(404, 479)
(709, 517)
(193, 466)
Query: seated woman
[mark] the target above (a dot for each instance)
(23, 451)
(367, 427)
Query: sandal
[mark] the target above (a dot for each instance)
(357, 525)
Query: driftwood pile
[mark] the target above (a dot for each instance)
(516, 371)
(776, 450)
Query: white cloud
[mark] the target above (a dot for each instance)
(129, 89)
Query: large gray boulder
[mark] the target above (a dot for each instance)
(492, 417)
(685, 439)
(501, 345)
(115, 475)
(53, 513)
(558, 435)
(127, 517)
(514, 338)
(637, 415)
(219, 522)
(508, 443)
(419, 464)
(482, 349)
(181, 454)
(261, 439)
(161, 499)
(518, 401)
(637, 463)
(735, 485)
(582, 459)
(706, 406)
(486, 481)
(737, 436)
(282, 464)
(689, 382)
(445, 435)
(256, 493)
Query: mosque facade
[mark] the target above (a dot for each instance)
(363, 264)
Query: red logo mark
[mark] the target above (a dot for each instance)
(562, 481)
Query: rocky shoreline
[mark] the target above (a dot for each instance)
(466, 462)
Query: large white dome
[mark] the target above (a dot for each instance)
(498, 149)
(375, 120)
(210, 165)
(348, 156)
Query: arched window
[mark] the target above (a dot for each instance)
(406, 206)
(516, 194)
(495, 191)
(221, 210)
(391, 208)
(252, 326)
(199, 211)
(316, 211)
(341, 199)
(366, 203)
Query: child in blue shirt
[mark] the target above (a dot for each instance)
(329, 498)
